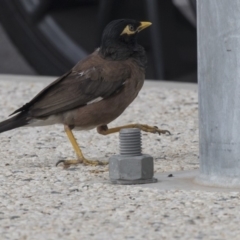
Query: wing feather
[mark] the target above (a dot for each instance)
(79, 87)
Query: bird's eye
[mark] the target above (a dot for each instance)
(131, 28)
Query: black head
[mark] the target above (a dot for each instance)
(120, 37)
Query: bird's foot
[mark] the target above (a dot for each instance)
(96, 171)
(104, 130)
(94, 162)
(68, 163)
(153, 129)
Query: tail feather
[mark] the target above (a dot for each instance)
(14, 122)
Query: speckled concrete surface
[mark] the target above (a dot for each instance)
(41, 201)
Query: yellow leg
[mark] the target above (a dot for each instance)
(105, 131)
(73, 142)
(80, 157)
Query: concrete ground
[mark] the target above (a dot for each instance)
(41, 201)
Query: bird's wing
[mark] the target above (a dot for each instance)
(78, 88)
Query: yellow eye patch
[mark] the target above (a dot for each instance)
(130, 30)
(127, 30)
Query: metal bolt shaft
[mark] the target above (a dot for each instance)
(130, 142)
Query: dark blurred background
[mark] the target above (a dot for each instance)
(47, 37)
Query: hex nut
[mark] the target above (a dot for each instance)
(131, 167)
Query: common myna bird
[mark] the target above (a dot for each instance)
(94, 92)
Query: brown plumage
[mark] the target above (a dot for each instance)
(94, 92)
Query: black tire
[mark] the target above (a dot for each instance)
(46, 33)
(38, 36)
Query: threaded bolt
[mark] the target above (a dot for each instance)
(130, 142)
(131, 166)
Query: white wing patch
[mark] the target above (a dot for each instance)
(80, 74)
(98, 99)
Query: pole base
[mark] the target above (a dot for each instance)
(133, 182)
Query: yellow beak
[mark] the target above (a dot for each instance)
(144, 25)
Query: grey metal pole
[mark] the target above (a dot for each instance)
(219, 91)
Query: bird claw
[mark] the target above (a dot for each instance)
(94, 163)
(160, 131)
(68, 163)
(97, 171)
(58, 162)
